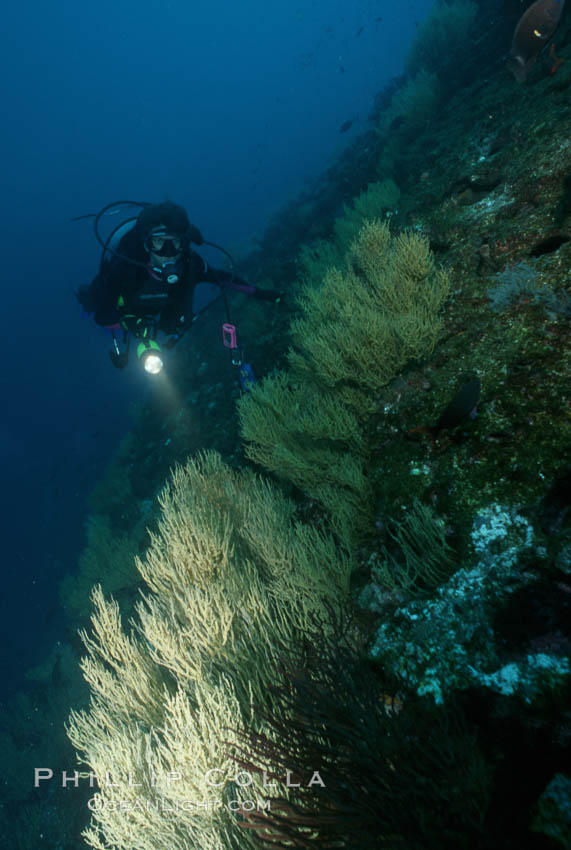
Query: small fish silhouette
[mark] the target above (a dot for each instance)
(346, 125)
(462, 405)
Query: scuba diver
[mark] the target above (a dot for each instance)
(146, 281)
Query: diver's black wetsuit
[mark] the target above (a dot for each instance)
(131, 295)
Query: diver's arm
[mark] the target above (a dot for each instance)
(97, 301)
(237, 284)
(104, 294)
(114, 304)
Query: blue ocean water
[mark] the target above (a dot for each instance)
(228, 109)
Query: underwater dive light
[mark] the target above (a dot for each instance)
(149, 354)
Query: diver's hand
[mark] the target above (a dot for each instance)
(119, 360)
(273, 295)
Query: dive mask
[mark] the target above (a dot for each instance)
(163, 244)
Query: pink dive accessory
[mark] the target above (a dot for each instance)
(229, 336)
(230, 341)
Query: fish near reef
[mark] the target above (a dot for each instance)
(346, 125)
(534, 29)
(462, 406)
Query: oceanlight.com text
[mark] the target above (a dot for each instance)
(97, 804)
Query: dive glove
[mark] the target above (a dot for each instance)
(274, 295)
(119, 360)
